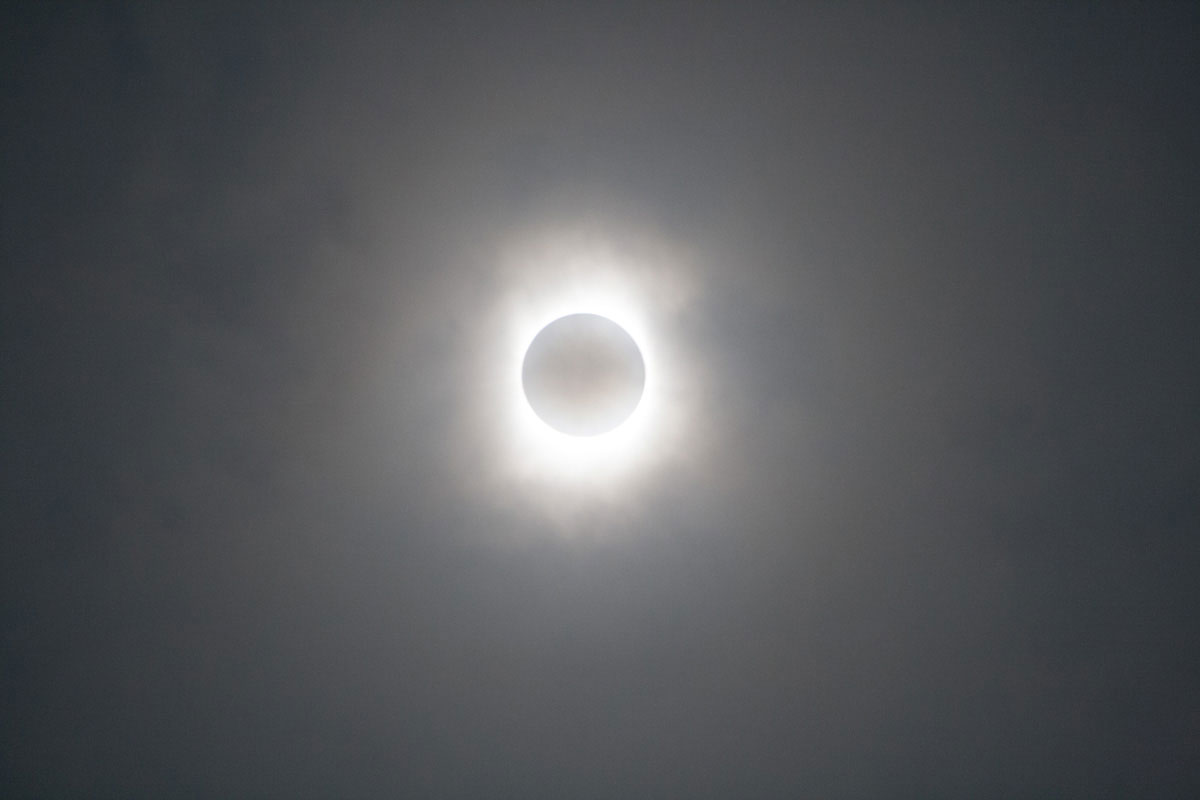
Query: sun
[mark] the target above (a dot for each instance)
(549, 452)
(564, 277)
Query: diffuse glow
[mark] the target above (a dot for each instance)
(565, 277)
(549, 452)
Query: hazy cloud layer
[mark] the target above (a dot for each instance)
(921, 519)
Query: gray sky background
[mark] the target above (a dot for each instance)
(930, 271)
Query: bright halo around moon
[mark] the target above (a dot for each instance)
(596, 390)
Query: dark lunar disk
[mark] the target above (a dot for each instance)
(583, 374)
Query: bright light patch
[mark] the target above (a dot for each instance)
(565, 278)
(545, 450)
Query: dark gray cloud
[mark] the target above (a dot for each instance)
(920, 514)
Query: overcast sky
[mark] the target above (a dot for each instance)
(917, 515)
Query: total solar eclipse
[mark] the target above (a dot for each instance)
(583, 375)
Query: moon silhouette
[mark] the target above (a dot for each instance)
(583, 374)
